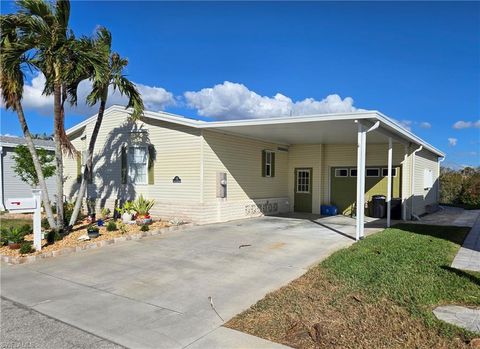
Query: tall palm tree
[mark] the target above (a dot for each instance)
(100, 87)
(63, 60)
(11, 84)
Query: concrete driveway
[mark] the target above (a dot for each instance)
(154, 292)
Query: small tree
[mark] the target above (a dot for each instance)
(25, 168)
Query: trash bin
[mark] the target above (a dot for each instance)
(378, 206)
(396, 208)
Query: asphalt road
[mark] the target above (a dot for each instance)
(23, 328)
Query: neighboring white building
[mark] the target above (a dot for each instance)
(269, 166)
(11, 186)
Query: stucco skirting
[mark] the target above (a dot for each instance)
(92, 245)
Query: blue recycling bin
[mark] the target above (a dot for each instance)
(328, 210)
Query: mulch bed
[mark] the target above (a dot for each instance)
(71, 243)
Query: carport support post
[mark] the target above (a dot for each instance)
(361, 151)
(389, 182)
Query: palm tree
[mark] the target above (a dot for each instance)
(64, 61)
(100, 88)
(11, 84)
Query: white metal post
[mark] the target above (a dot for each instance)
(404, 194)
(361, 174)
(389, 183)
(359, 185)
(37, 220)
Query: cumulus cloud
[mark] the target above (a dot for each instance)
(233, 101)
(154, 98)
(466, 124)
(425, 124)
(452, 141)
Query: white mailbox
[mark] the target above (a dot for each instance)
(26, 205)
(21, 204)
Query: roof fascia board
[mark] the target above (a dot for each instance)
(13, 145)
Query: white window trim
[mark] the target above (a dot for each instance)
(309, 182)
(268, 154)
(341, 169)
(394, 172)
(350, 173)
(146, 165)
(372, 168)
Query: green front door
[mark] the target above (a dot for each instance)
(303, 190)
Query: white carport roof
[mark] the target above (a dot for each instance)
(311, 129)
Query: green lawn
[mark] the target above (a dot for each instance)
(378, 293)
(14, 222)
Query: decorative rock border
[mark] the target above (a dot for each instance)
(69, 250)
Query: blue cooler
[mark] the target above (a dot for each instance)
(328, 210)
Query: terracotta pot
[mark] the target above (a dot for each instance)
(14, 245)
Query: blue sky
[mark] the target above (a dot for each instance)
(418, 62)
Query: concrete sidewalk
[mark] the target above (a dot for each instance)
(468, 257)
(154, 292)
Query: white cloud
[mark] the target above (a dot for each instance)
(452, 141)
(407, 124)
(425, 124)
(154, 98)
(466, 124)
(233, 101)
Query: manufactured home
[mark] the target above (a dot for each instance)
(11, 185)
(208, 172)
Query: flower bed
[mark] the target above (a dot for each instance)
(71, 242)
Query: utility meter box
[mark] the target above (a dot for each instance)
(21, 204)
(221, 185)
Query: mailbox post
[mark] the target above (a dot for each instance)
(29, 205)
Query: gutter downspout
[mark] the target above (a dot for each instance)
(438, 181)
(412, 183)
(2, 202)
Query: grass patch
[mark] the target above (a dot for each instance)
(378, 293)
(15, 222)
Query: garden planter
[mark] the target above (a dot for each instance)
(144, 221)
(14, 245)
(126, 217)
(93, 233)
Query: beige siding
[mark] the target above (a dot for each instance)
(241, 159)
(177, 154)
(423, 196)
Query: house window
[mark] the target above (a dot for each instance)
(138, 165)
(373, 172)
(303, 181)
(385, 172)
(268, 163)
(353, 172)
(341, 172)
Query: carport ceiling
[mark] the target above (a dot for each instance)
(326, 132)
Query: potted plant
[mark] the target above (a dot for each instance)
(93, 231)
(126, 211)
(14, 237)
(142, 208)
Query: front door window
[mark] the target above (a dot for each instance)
(303, 181)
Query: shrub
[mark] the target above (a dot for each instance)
(104, 213)
(112, 226)
(53, 236)
(122, 227)
(143, 206)
(460, 187)
(13, 234)
(26, 248)
(144, 227)
(44, 223)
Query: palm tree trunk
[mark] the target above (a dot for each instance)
(57, 110)
(88, 171)
(36, 164)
